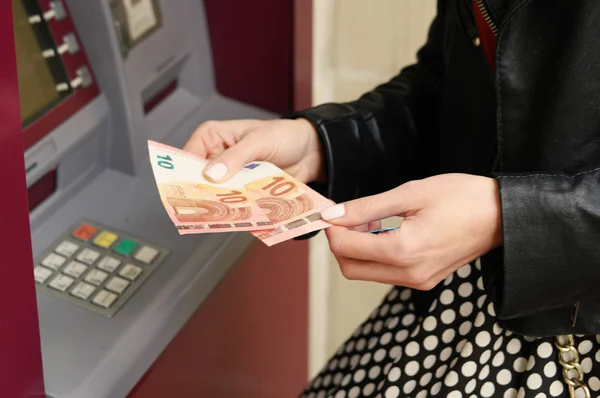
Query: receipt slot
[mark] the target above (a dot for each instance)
(20, 355)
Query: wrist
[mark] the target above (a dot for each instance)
(315, 161)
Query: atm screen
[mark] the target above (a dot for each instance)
(41, 73)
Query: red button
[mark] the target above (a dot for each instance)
(85, 232)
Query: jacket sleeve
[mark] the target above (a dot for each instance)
(551, 250)
(374, 143)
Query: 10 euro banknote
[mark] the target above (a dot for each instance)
(260, 198)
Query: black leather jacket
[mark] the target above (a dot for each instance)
(534, 126)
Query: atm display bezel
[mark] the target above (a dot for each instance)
(79, 98)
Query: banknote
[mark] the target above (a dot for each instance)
(196, 205)
(292, 206)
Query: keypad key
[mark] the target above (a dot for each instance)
(104, 299)
(130, 272)
(105, 239)
(146, 254)
(85, 232)
(75, 269)
(117, 285)
(67, 248)
(53, 261)
(61, 282)
(125, 247)
(41, 274)
(88, 256)
(83, 290)
(96, 277)
(109, 264)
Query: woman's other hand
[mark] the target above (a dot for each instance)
(292, 145)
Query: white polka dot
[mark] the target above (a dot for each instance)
(498, 343)
(409, 386)
(478, 264)
(465, 328)
(520, 365)
(521, 393)
(384, 310)
(479, 320)
(557, 388)
(372, 342)
(374, 372)
(448, 279)
(411, 368)
(534, 381)
(485, 372)
(397, 308)
(378, 325)
(425, 379)
(455, 394)
(359, 375)
(354, 360)
(530, 363)
(346, 380)
(401, 336)
(491, 309)
(594, 383)
(433, 305)
(487, 390)
(441, 371)
(483, 339)
(405, 294)
(485, 357)
(327, 380)
(354, 392)
(412, 349)
(429, 323)
(415, 331)
(430, 343)
(513, 347)
(396, 352)
(586, 365)
(481, 300)
(421, 394)
(340, 394)
(511, 393)
(541, 395)
(429, 362)
(408, 319)
(343, 362)
(480, 283)
(498, 359)
(464, 271)
(550, 370)
(461, 345)
(497, 329)
(387, 367)
(337, 379)
(392, 392)
(466, 309)
(451, 379)
(394, 374)
(448, 335)
(392, 295)
(467, 350)
(598, 356)
(360, 345)
(447, 297)
(385, 338)
(454, 361)
(465, 289)
(471, 386)
(435, 390)
(504, 377)
(469, 369)
(445, 354)
(585, 347)
(367, 328)
(448, 316)
(365, 358)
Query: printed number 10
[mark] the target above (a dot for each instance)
(165, 163)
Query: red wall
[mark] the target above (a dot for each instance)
(20, 352)
(250, 338)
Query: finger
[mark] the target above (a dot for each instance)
(232, 160)
(375, 225)
(399, 201)
(382, 248)
(216, 134)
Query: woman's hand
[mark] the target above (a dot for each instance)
(292, 145)
(449, 220)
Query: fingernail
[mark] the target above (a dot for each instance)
(333, 212)
(217, 171)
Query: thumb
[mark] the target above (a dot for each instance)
(235, 158)
(365, 210)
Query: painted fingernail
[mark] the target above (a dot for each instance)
(217, 171)
(333, 212)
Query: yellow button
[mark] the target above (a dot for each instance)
(105, 239)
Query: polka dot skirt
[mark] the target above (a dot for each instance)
(453, 348)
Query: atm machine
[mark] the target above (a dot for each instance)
(114, 279)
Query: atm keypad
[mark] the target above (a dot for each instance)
(96, 267)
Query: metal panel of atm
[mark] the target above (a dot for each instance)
(115, 280)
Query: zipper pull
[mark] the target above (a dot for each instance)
(574, 315)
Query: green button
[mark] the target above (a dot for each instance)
(125, 247)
